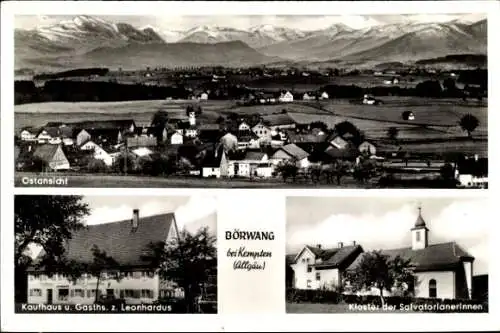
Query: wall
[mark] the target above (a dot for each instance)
(210, 172)
(445, 282)
(300, 270)
(59, 160)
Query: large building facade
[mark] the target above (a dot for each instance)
(124, 241)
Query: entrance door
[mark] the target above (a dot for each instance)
(49, 296)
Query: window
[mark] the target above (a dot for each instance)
(36, 292)
(308, 283)
(63, 294)
(91, 293)
(132, 293)
(303, 260)
(136, 275)
(122, 293)
(146, 293)
(418, 236)
(309, 269)
(318, 276)
(432, 288)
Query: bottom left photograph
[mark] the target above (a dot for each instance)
(120, 254)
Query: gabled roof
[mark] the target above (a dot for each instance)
(333, 257)
(142, 141)
(254, 155)
(119, 240)
(45, 152)
(441, 256)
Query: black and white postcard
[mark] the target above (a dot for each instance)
(265, 101)
(103, 254)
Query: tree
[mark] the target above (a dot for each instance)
(196, 108)
(469, 123)
(96, 166)
(320, 125)
(346, 127)
(392, 133)
(376, 270)
(188, 261)
(287, 170)
(46, 221)
(429, 88)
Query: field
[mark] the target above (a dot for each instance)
(330, 308)
(434, 129)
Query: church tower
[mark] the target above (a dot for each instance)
(419, 233)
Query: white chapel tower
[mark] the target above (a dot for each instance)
(419, 233)
(192, 118)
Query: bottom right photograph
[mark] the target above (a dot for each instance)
(386, 254)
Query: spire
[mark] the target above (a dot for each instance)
(420, 221)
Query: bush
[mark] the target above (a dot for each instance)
(97, 166)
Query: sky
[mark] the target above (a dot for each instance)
(385, 223)
(306, 22)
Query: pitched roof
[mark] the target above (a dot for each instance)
(142, 141)
(420, 221)
(254, 155)
(119, 240)
(335, 257)
(50, 130)
(45, 152)
(434, 257)
(294, 151)
(278, 119)
(209, 127)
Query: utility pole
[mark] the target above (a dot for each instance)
(126, 157)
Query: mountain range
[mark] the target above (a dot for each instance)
(90, 41)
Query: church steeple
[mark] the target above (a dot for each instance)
(420, 233)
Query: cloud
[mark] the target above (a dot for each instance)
(105, 214)
(197, 207)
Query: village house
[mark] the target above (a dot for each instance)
(262, 131)
(278, 121)
(142, 151)
(176, 138)
(53, 156)
(339, 142)
(324, 95)
(215, 164)
(315, 267)
(28, 134)
(101, 136)
(250, 164)
(367, 147)
(472, 172)
(308, 96)
(98, 152)
(125, 241)
(286, 97)
(293, 153)
(48, 135)
(247, 139)
(442, 270)
(141, 141)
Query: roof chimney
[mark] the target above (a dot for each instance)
(135, 219)
(341, 244)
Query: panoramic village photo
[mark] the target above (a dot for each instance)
(119, 254)
(386, 255)
(360, 101)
